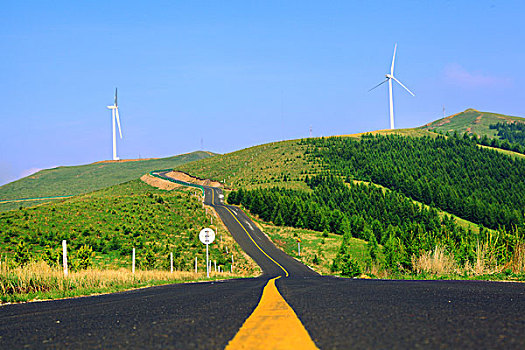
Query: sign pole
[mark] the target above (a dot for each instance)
(207, 236)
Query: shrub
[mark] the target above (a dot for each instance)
(51, 256)
(350, 267)
(147, 260)
(83, 258)
(22, 254)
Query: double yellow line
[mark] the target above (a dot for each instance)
(269, 257)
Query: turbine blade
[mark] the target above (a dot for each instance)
(393, 59)
(118, 122)
(116, 97)
(411, 93)
(378, 85)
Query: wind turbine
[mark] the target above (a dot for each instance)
(389, 78)
(114, 115)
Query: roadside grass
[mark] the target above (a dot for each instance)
(39, 281)
(74, 180)
(318, 250)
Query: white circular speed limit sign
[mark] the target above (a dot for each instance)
(207, 235)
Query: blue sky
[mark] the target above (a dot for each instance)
(239, 73)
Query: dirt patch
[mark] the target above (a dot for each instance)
(179, 175)
(443, 122)
(159, 183)
(478, 119)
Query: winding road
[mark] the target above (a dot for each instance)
(298, 309)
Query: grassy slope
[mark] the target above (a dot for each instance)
(116, 219)
(73, 180)
(259, 166)
(471, 121)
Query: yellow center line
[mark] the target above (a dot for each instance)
(269, 257)
(272, 325)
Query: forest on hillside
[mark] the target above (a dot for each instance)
(404, 228)
(453, 173)
(513, 133)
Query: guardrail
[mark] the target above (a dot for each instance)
(184, 183)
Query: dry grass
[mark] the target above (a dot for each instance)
(436, 262)
(40, 281)
(517, 263)
(439, 263)
(485, 262)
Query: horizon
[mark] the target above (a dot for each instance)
(223, 77)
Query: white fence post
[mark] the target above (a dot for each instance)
(64, 256)
(171, 262)
(133, 261)
(195, 264)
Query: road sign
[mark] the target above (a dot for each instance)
(207, 235)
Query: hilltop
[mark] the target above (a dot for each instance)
(473, 122)
(74, 180)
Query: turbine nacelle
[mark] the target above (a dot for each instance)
(389, 76)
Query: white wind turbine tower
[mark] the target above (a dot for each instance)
(114, 115)
(389, 78)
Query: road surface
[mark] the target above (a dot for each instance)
(335, 312)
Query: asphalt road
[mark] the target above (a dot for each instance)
(337, 313)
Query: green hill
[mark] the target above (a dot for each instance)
(484, 186)
(74, 180)
(114, 220)
(471, 121)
